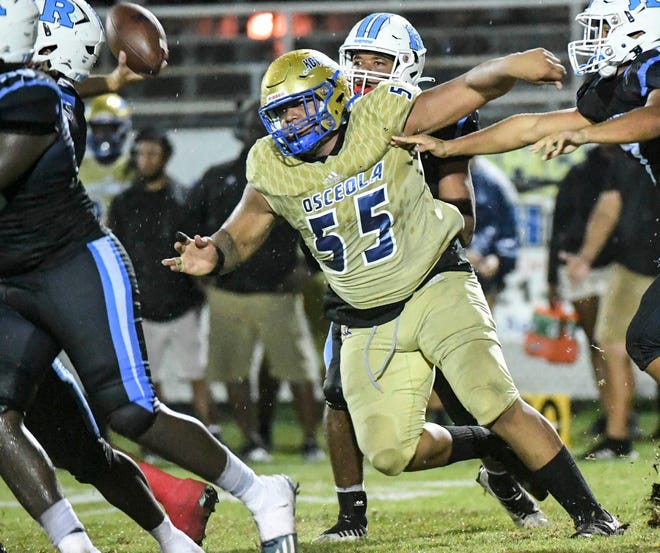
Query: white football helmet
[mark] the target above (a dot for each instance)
(70, 37)
(18, 30)
(384, 33)
(615, 32)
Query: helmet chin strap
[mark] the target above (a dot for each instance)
(607, 71)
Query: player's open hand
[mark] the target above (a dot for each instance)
(421, 143)
(559, 143)
(538, 66)
(122, 74)
(197, 256)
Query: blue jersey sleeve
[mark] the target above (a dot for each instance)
(648, 74)
(29, 103)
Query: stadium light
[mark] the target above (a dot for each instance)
(265, 25)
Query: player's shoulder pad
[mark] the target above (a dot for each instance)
(400, 89)
(646, 70)
(30, 101)
(263, 158)
(387, 105)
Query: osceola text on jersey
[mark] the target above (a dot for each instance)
(341, 190)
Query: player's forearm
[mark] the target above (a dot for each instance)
(97, 84)
(229, 256)
(237, 242)
(638, 125)
(515, 132)
(492, 78)
(504, 136)
(245, 231)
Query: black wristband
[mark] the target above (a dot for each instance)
(221, 260)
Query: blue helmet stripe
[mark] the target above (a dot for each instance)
(377, 25)
(371, 25)
(362, 29)
(415, 39)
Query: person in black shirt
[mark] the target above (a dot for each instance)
(629, 207)
(578, 193)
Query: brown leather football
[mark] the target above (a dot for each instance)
(135, 30)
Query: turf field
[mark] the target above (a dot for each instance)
(443, 510)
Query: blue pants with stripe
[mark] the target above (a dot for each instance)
(88, 306)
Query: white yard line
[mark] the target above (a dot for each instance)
(413, 490)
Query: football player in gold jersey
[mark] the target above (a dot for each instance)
(405, 295)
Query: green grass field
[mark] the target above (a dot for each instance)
(442, 510)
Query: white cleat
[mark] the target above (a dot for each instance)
(179, 542)
(76, 542)
(276, 520)
(522, 508)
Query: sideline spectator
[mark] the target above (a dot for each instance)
(630, 206)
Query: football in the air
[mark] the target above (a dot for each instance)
(135, 30)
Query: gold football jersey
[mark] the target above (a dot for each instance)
(366, 213)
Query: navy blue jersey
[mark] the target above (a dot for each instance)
(600, 99)
(47, 213)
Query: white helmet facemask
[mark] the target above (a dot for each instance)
(70, 37)
(615, 32)
(18, 30)
(388, 34)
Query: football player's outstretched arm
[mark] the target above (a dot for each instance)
(637, 125)
(111, 82)
(246, 229)
(19, 152)
(446, 103)
(509, 134)
(239, 237)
